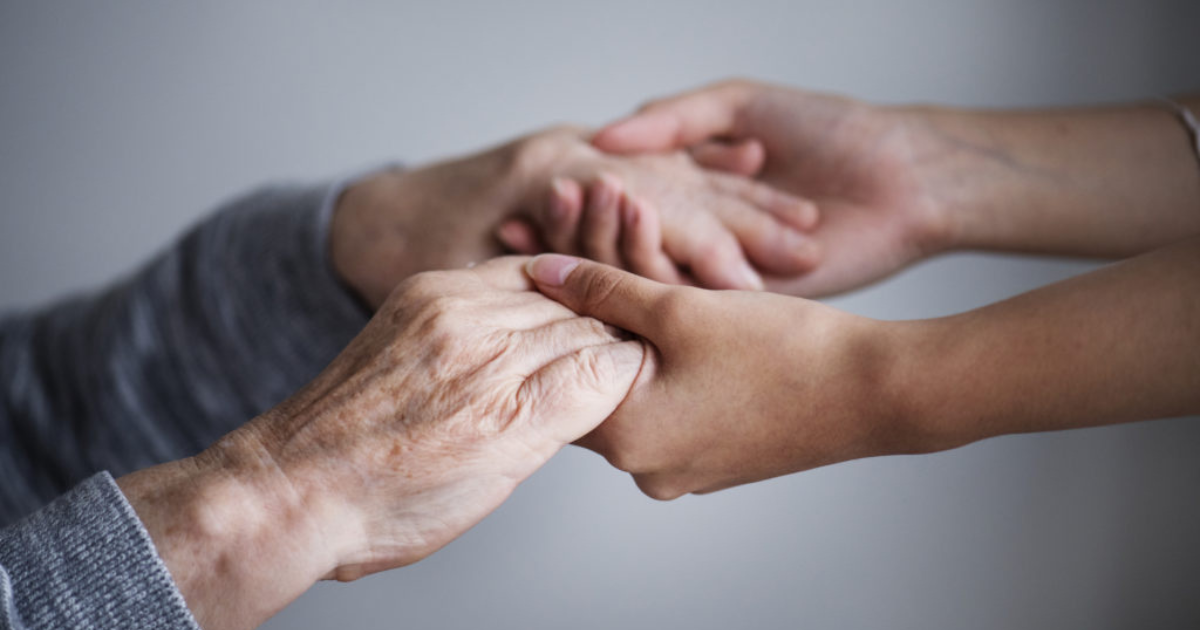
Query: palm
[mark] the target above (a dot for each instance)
(856, 164)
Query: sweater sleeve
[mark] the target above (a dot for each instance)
(229, 321)
(85, 561)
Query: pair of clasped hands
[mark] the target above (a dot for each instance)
(471, 376)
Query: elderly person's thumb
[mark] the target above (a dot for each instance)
(596, 290)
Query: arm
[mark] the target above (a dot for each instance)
(462, 386)
(898, 184)
(808, 385)
(161, 364)
(1104, 181)
(1115, 345)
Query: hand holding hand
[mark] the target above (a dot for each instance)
(740, 387)
(444, 216)
(664, 217)
(461, 386)
(861, 165)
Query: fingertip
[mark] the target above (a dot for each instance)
(729, 270)
(630, 213)
(648, 131)
(566, 199)
(551, 269)
(745, 158)
(748, 277)
(754, 155)
(518, 236)
(808, 215)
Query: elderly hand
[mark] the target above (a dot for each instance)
(865, 167)
(444, 216)
(743, 386)
(461, 386)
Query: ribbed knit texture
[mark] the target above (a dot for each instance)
(85, 561)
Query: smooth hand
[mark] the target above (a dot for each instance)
(743, 386)
(461, 386)
(861, 165)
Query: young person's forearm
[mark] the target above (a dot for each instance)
(1101, 181)
(1116, 345)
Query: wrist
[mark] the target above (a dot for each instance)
(929, 387)
(911, 411)
(354, 230)
(239, 543)
(947, 169)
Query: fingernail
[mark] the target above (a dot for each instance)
(809, 215)
(551, 269)
(629, 211)
(606, 191)
(749, 277)
(508, 232)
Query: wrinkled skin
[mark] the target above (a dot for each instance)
(461, 386)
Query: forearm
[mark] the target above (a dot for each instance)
(1101, 181)
(219, 327)
(1116, 345)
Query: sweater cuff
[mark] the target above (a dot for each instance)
(322, 222)
(86, 561)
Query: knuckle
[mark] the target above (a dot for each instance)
(660, 488)
(622, 456)
(675, 308)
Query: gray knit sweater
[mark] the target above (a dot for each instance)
(220, 327)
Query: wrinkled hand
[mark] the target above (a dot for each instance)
(743, 386)
(664, 217)
(461, 386)
(860, 164)
(396, 223)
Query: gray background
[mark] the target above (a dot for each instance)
(121, 123)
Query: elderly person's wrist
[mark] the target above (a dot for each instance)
(239, 540)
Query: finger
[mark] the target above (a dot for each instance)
(677, 122)
(641, 242)
(606, 293)
(560, 222)
(504, 273)
(713, 256)
(797, 212)
(744, 157)
(767, 243)
(575, 393)
(600, 228)
(519, 236)
(561, 337)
